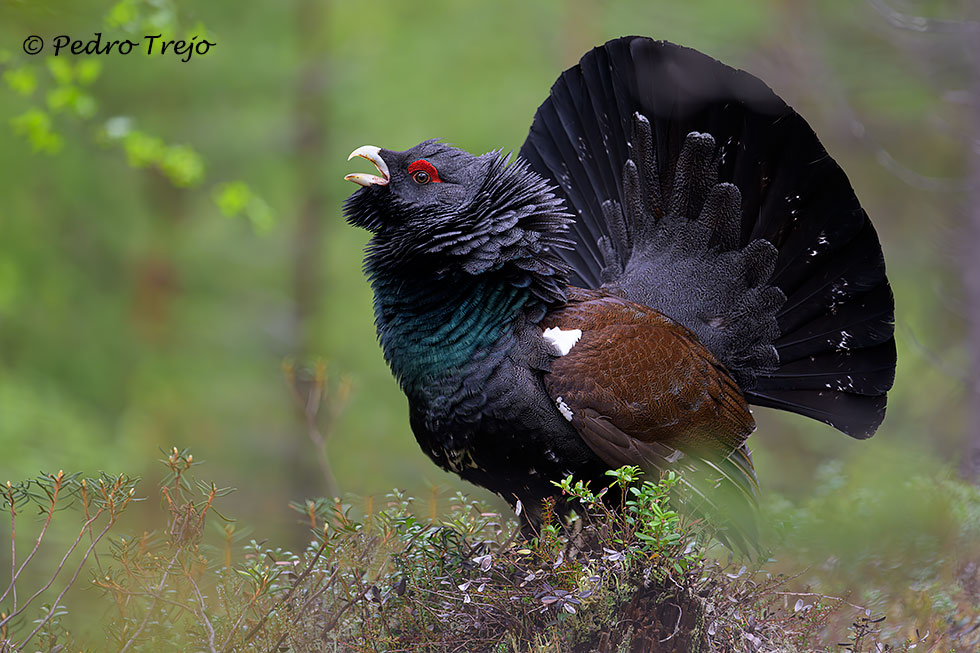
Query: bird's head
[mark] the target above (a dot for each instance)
(415, 187)
(439, 210)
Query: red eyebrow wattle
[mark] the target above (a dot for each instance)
(425, 166)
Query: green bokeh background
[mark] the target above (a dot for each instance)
(134, 315)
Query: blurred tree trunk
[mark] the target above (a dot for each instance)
(971, 270)
(310, 111)
(155, 273)
(310, 144)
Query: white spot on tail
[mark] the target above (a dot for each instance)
(562, 340)
(564, 409)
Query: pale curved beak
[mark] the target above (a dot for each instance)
(372, 154)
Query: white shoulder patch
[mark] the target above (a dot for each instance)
(564, 409)
(562, 340)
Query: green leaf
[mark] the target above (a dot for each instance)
(122, 14)
(88, 70)
(142, 150)
(35, 125)
(71, 98)
(236, 198)
(163, 21)
(61, 69)
(232, 197)
(21, 80)
(182, 165)
(200, 31)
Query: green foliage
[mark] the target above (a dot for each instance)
(180, 164)
(237, 199)
(67, 94)
(97, 504)
(657, 523)
(898, 532)
(387, 577)
(144, 17)
(646, 516)
(21, 80)
(36, 126)
(71, 98)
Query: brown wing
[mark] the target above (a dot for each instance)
(638, 385)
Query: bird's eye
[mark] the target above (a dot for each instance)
(423, 172)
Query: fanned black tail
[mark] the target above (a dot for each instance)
(701, 193)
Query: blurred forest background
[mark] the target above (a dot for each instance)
(173, 259)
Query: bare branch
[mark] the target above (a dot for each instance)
(37, 543)
(912, 23)
(13, 547)
(57, 570)
(68, 585)
(156, 597)
(292, 590)
(202, 611)
(856, 126)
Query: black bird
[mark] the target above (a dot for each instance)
(672, 244)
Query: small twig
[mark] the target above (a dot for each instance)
(85, 505)
(510, 538)
(153, 605)
(930, 356)
(821, 596)
(310, 408)
(146, 594)
(292, 590)
(340, 613)
(13, 547)
(68, 585)
(37, 543)
(306, 605)
(157, 593)
(857, 127)
(202, 612)
(323, 588)
(57, 571)
(922, 24)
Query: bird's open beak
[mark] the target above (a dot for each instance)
(372, 154)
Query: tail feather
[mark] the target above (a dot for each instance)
(854, 270)
(859, 416)
(725, 493)
(866, 372)
(713, 207)
(866, 320)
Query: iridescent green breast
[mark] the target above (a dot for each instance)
(431, 331)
